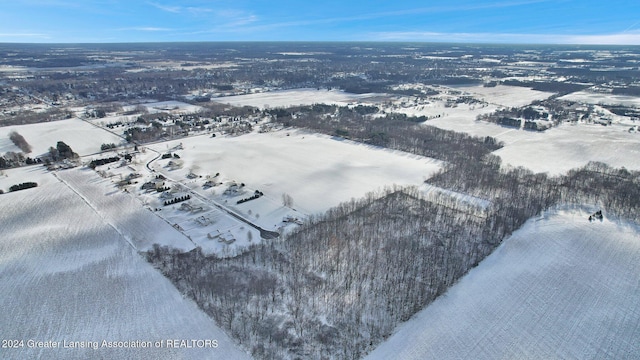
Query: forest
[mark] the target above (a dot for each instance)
(340, 284)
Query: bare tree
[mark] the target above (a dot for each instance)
(287, 200)
(20, 142)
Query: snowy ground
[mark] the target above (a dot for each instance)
(67, 276)
(135, 223)
(558, 149)
(34, 173)
(438, 112)
(465, 121)
(554, 151)
(317, 171)
(599, 98)
(83, 138)
(174, 107)
(285, 98)
(567, 146)
(508, 96)
(558, 288)
(124, 119)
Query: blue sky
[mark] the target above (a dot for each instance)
(499, 21)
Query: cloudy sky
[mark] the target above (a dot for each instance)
(488, 21)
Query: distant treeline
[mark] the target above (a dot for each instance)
(24, 117)
(624, 110)
(560, 88)
(627, 90)
(399, 132)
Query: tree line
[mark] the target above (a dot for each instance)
(23, 186)
(404, 133)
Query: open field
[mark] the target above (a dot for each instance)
(561, 287)
(503, 95)
(599, 98)
(67, 276)
(174, 107)
(438, 112)
(285, 98)
(567, 146)
(125, 119)
(317, 171)
(35, 173)
(122, 211)
(443, 108)
(555, 150)
(83, 138)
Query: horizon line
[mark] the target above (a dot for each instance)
(319, 42)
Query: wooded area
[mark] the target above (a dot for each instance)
(339, 285)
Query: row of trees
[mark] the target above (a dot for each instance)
(257, 194)
(99, 162)
(177, 200)
(22, 186)
(14, 159)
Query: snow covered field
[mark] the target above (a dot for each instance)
(555, 150)
(66, 276)
(125, 119)
(558, 288)
(175, 107)
(317, 171)
(567, 146)
(442, 114)
(83, 138)
(35, 173)
(598, 98)
(508, 96)
(135, 223)
(295, 97)
(154, 106)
